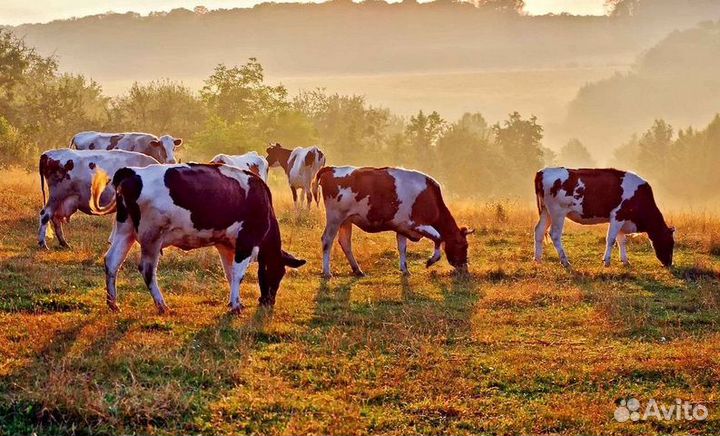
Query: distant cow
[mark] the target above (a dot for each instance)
(388, 199)
(593, 196)
(300, 165)
(250, 161)
(192, 206)
(69, 176)
(161, 149)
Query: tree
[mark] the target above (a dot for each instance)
(574, 155)
(654, 148)
(424, 130)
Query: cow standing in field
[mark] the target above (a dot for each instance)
(161, 149)
(388, 199)
(192, 206)
(300, 165)
(594, 196)
(250, 161)
(69, 177)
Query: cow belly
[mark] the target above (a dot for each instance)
(576, 217)
(371, 227)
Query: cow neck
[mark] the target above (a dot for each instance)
(653, 223)
(285, 160)
(446, 225)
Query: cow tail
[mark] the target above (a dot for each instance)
(41, 170)
(316, 184)
(540, 195)
(100, 181)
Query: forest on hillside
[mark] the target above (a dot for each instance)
(237, 110)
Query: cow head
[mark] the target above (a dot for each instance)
(277, 155)
(664, 243)
(163, 149)
(456, 249)
(271, 273)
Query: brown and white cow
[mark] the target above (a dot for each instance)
(250, 161)
(300, 165)
(69, 177)
(388, 199)
(161, 149)
(593, 196)
(192, 206)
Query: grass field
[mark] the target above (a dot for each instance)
(513, 348)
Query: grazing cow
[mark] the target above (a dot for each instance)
(161, 149)
(388, 199)
(593, 196)
(250, 161)
(300, 165)
(192, 206)
(69, 176)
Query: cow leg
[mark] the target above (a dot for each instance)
(308, 197)
(119, 248)
(294, 194)
(149, 258)
(345, 240)
(45, 216)
(622, 245)
(436, 255)
(226, 257)
(402, 248)
(243, 258)
(331, 230)
(58, 228)
(613, 231)
(112, 232)
(540, 232)
(556, 230)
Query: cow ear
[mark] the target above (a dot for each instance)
(465, 231)
(154, 143)
(291, 261)
(178, 142)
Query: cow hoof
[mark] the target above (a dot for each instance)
(43, 245)
(162, 308)
(627, 264)
(537, 260)
(113, 306)
(405, 272)
(566, 265)
(327, 276)
(65, 246)
(358, 273)
(607, 264)
(237, 310)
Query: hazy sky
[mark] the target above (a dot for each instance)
(24, 11)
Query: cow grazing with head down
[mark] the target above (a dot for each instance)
(192, 206)
(161, 149)
(593, 196)
(388, 199)
(69, 176)
(300, 165)
(250, 161)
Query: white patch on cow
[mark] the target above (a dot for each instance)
(168, 143)
(245, 161)
(630, 184)
(408, 185)
(340, 172)
(130, 141)
(430, 230)
(238, 274)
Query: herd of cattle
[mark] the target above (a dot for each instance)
(227, 204)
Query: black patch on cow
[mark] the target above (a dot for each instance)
(91, 146)
(128, 186)
(91, 165)
(215, 201)
(114, 139)
(310, 158)
(45, 218)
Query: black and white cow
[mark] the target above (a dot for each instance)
(300, 165)
(161, 149)
(406, 202)
(192, 206)
(250, 161)
(69, 176)
(594, 196)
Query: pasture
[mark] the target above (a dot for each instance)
(514, 347)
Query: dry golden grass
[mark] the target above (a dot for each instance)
(514, 348)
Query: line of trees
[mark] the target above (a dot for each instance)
(237, 111)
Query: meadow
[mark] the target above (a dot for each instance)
(514, 347)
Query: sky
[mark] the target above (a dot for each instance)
(38, 11)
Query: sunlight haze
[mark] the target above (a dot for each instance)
(15, 12)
